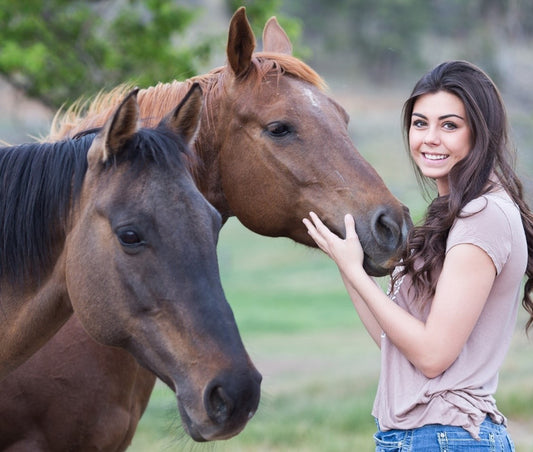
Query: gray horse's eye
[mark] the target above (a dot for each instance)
(129, 237)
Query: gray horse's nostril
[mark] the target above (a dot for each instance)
(385, 229)
(218, 404)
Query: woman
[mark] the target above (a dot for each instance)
(445, 326)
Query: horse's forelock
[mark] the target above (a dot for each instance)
(267, 62)
(161, 146)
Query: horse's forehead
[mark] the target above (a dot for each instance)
(294, 94)
(318, 101)
(311, 97)
(301, 91)
(148, 190)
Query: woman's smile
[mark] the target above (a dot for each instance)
(434, 157)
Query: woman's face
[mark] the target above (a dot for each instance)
(439, 135)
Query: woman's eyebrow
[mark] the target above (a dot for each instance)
(451, 115)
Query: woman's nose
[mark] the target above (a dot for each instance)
(431, 138)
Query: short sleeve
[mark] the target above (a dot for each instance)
(484, 224)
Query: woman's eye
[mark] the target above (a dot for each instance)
(418, 123)
(278, 129)
(449, 126)
(129, 237)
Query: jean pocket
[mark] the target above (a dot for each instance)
(389, 441)
(462, 440)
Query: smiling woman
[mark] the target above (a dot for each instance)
(445, 325)
(439, 136)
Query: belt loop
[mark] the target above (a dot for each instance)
(443, 441)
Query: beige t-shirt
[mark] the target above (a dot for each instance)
(463, 394)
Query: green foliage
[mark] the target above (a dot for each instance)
(59, 50)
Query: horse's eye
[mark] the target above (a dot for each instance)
(129, 237)
(278, 129)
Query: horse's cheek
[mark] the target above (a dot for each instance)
(89, 275)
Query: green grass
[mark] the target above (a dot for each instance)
(319, 366)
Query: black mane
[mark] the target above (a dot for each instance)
(40, 182)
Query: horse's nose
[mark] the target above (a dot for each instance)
(387, 228)
(230, 401)
(218, 404)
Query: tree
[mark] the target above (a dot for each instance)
(60, 50)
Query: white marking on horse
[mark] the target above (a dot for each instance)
(309, 94)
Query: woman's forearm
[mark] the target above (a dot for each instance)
(403, 329)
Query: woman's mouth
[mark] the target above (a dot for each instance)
(435, 157)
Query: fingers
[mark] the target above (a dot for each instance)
(315, 218)
(310, 226)
(318, 226)
(349, 223)
(334, 246)
(315, 227)
(317, 230)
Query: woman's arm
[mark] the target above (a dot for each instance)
(462, 289)
(365, 314)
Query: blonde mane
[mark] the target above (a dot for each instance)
(86, 114)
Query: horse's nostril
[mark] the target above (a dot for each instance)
(218, 405)
(385, 229)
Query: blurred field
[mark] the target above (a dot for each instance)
(320, 368)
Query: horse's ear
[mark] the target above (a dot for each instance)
(185, 118)
(118, 129)
(241, 43)
(275, 39)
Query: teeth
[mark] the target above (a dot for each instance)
(435, 156)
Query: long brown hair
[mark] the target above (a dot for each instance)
(491, 153)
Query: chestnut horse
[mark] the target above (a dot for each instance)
(272, 147)
(87, 227)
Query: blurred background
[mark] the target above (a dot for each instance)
(320, 368)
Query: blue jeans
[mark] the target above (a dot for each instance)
(444, 438)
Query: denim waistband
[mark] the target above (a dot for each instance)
(435, 437)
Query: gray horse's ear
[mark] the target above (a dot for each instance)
(117, 130)
(241, 43)
(185, 118)
(275, 39)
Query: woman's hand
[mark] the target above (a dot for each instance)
(345, 252)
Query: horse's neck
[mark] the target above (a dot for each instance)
(207, 176)
(31, 317)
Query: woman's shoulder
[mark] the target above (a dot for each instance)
(494, 203)
(494, 223)
(491, 222)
